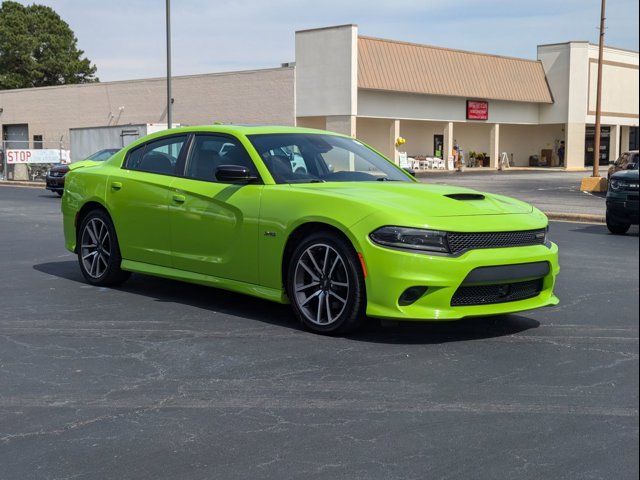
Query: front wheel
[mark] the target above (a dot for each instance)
(617, 228)
(325, 284)
(98, 250)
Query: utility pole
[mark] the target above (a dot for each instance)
(596, 143)
(169, 98)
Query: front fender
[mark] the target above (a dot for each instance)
(283, 210)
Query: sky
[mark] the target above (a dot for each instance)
(126, 38)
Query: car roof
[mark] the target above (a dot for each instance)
(235, 130)
(247, 129)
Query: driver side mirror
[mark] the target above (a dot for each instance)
(234, 174)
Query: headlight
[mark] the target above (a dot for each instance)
(411, 238)
(615, 184)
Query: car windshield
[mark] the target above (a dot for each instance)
(633, 162)
(309, 157)
(102, 155)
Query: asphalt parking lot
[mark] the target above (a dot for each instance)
(160, 379)
(551, 190)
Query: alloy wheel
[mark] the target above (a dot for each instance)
(95, 247)
(321, 284)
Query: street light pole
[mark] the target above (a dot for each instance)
(169, 99)
(596, 142)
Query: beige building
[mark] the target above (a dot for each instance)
(435, 97)
(378, 90)
(46, 114)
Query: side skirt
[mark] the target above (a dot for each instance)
(259, 291)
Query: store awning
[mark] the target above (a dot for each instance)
(411, 68)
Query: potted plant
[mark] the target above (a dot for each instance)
(473, 156)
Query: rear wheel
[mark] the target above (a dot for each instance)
(98, 250)
(617, 228)
(325, 284)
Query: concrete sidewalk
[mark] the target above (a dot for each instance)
(557, 193)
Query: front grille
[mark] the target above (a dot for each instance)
(500, 293)
(460, 242)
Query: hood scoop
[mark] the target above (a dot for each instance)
(465, 196)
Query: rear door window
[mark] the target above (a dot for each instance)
(159, 156)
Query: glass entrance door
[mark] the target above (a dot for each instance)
(589, 141)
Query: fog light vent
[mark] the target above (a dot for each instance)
(410, 295)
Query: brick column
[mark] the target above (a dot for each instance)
(447, 147)
(394, 133)
(614, 143)
(624, 139)
(574, 142)
(494, 146)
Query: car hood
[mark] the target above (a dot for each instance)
(422, 199)
(625, 175)
(64, 168)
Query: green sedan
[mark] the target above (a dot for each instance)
(306, 217)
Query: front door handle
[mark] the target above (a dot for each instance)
(116, 186)
(179, 198)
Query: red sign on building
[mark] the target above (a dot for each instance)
(477, 110)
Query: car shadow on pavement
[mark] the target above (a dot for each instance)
(229, 303)
(445, 332)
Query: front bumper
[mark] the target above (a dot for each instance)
(55, 184)
(391, 272)
(624, 211)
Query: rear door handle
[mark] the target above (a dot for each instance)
(179, 198)
(116, 186)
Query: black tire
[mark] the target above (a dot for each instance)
(60, 192)
(342, 316)
(108, 272)
(617, 228)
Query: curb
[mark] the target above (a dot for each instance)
(576, 217)
(20, 183)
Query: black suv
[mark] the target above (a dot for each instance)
(622, 201)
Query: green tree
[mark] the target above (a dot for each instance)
(37, 48)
